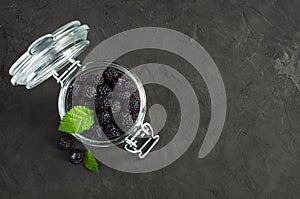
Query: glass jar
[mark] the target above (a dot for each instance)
(98, 85)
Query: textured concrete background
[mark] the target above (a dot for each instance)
(255, 44)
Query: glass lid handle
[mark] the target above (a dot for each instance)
(131, 145)
(50, 54)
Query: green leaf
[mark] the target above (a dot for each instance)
(90, 162)
(77, 120)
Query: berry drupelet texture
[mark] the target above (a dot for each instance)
(134, 103)
(65, 142)
(88, 91)
(104, 117)
(112, 132)
(115, 106)
(76, 156)
(111, 75)
(103, 90)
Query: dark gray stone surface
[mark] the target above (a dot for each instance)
(254, 43)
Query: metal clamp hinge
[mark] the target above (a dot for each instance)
(131, 142)
(75, 65)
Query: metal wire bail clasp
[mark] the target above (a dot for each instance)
(61, 79)
(131, 142)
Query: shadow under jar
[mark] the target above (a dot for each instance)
(116, 95)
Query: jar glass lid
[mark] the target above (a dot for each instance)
(49, 54)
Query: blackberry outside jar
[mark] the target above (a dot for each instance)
(116, 94)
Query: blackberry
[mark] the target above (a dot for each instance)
(99, 80)
(102, 103)
(123, 95)
(87, 79)
(134, 104)
(127, 121)
(91, 79)
(111, 131)
(76, 156)
(65, 142)
(124, 121)
(115, 106)
(104, 117)
(135, 94)
(123, 84)
(76, 89)
(104, 90)
(111, 75)
(134, 116)
(88, 91)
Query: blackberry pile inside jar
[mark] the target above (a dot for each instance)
(113, 96)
